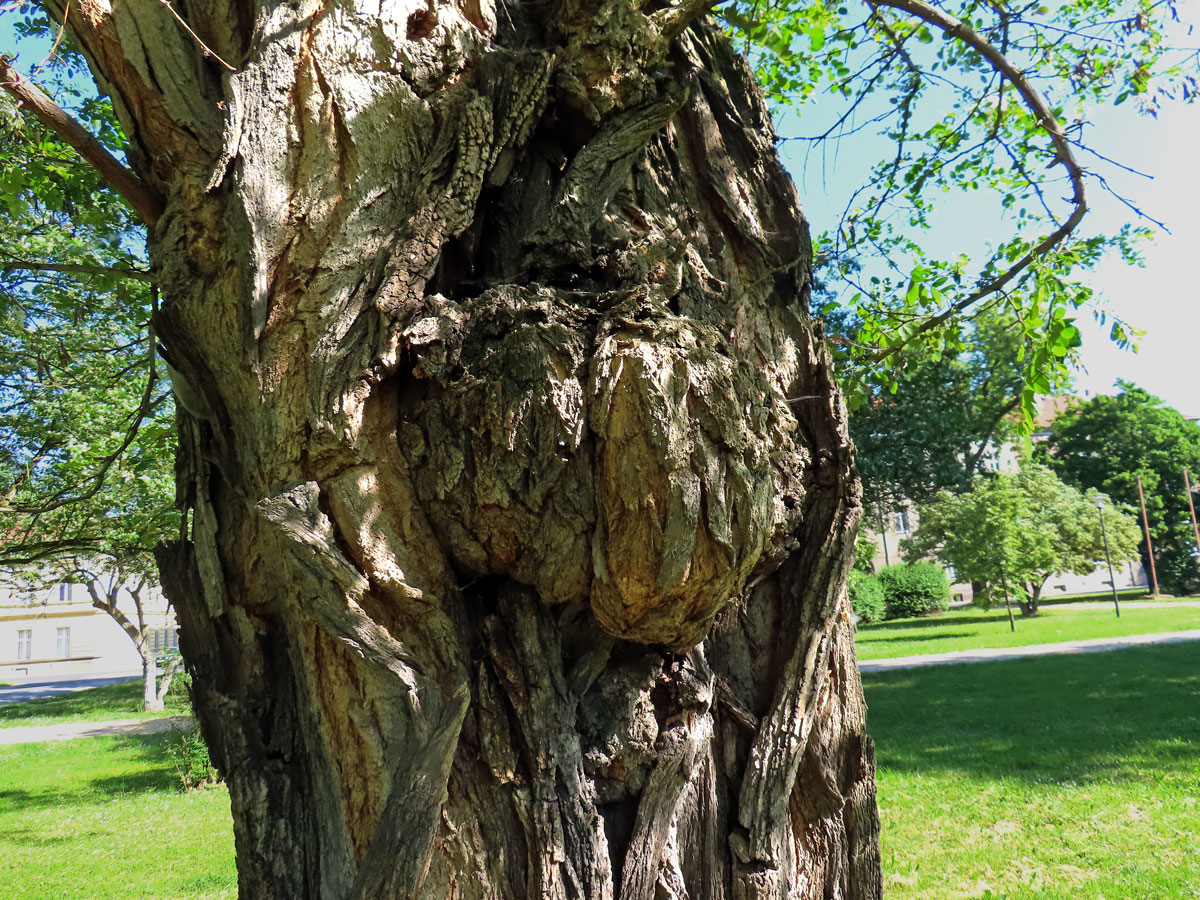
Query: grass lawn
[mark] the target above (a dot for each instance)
(110, 701)
(1060, 778)
(975, 629)
(1055, 778)
(104, 819)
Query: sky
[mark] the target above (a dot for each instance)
(1162, 299)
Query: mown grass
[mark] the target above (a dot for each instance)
(109, 701)
(1055, 778)
(1059, 777)
(105, 818)
(975, 629)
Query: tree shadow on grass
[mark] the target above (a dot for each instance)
(30, 838)
(933, 622)
(916, 638)
(114, 701)
(1071, 718)
(156, 775)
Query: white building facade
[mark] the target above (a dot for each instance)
(56, 631)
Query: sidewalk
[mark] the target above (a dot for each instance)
(33, 734)
(1092, 645)
(1129, 604)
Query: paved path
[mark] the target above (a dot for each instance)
(1091, 645)
(32, 690)
(1125, 604)
(33, 734)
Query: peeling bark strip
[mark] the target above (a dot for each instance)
(510, 570)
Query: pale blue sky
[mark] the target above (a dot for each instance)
(1162, 299)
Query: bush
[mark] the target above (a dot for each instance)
(917, 589)
(866, 597)
(189, 755)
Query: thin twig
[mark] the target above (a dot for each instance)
(25, 265)
(62, 30)
(208, 51)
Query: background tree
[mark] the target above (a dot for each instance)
(949, 410)
(1011, 532)
(1106, 443)
(517, 494)
(87, 432)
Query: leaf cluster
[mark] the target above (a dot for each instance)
(960, 130)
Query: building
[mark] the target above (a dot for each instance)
(56, 631)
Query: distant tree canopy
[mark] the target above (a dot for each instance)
(1011, 532)
(948, 411)
(1107, 443)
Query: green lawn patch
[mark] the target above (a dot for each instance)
(975, 629)
(1058, 777)
(105, 818)
(98, 704)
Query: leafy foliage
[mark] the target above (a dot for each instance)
(86, 436)
(189, 755)
(915, 589)
(1107, 443)
(950, 412)
(866, 597)
(962, 123)
(865, 549)
(1011, 532)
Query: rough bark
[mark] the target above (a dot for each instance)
(519, 498)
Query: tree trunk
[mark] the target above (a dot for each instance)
(150, 697)
(519, 496)
(164, 681)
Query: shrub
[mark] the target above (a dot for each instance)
(866, 597)
(915, 589)
(189, 755)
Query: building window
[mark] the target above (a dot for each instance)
(902, 522)
(25, 644)
(63, 642)
(64, 593)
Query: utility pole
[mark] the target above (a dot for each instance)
(887, 560)
(1112, 578)
(1187, 483)
(1150, 547)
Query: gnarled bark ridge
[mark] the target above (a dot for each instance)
(519, 498)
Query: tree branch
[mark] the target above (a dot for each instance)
(26, 265)
(953, 28)
(139, 195)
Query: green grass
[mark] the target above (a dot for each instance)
(1060, 777)
(104, 818)
(110, 701)
(1054, 778)
(975, 629)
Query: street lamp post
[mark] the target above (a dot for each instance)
(1112, 579)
